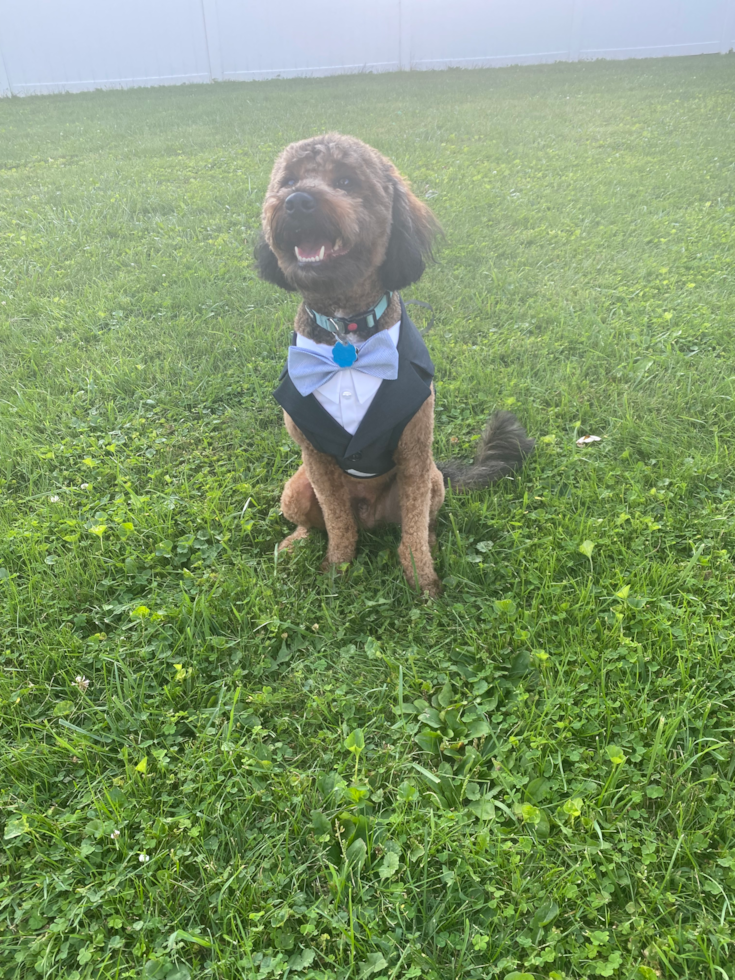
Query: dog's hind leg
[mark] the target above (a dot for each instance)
(299, 504)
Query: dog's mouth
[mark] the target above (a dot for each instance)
(316, 252)
(309, 242)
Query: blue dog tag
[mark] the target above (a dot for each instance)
(344, 355)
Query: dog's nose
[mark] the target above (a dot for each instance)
(300, 203)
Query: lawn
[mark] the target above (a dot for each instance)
(217, 763)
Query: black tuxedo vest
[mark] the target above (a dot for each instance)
(369, 452)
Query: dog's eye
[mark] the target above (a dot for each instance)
(289, 181)
(345, 183)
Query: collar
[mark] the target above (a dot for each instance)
(343, 326)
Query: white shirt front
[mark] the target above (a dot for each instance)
(349, 393)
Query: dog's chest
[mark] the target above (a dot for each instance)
(368, 452)
(349, 393)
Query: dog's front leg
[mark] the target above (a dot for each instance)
(415, 478)
(327, 481)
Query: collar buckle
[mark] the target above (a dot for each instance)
(337, 326)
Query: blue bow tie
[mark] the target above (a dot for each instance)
(310, 369)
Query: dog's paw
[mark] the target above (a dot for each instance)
(433, 587)
(298, 535)
(419, 571)
(429, 584)
(339, 566)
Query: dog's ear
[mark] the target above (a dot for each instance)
(413, 228)
(268, 267)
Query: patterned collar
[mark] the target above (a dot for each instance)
(343, 326)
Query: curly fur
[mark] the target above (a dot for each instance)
(377, 235)
(387, 231)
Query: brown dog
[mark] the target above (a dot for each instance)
(341, 227)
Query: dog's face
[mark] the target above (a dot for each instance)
(336, 212)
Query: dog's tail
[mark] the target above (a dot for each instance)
(502, 449)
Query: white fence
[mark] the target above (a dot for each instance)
(76, 45)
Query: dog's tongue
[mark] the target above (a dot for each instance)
(312, 251)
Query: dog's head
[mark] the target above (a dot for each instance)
(336, 212)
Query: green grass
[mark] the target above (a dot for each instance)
(329, 777)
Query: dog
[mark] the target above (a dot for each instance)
(342, 227)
